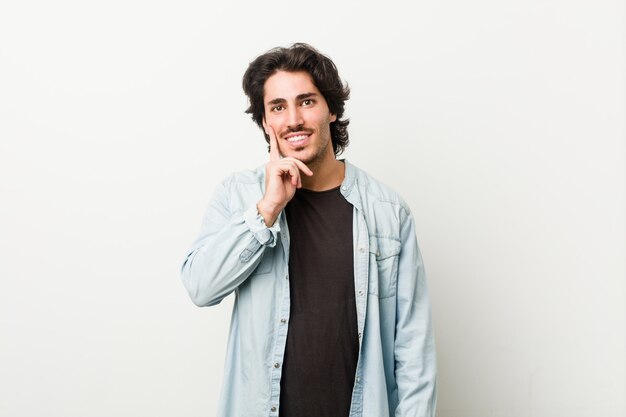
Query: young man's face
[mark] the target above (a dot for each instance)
(299, 115)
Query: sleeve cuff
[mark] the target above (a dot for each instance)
(265, 235)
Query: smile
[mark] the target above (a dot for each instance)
(298, 138)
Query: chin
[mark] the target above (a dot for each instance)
(301, 155)
(307, 158)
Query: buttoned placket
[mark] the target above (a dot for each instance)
(361, 271)
(282, 322)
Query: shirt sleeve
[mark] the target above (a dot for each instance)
(228, 249)
(414, 350)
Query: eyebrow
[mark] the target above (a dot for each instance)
(302, 96)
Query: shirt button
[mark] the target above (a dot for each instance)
(361, 293)
(277, 365)
(361, 249)
(286, 276)
(283, 321)
(273, 409)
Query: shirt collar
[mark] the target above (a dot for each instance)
(348, 185)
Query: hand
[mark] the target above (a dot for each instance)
(282, 177)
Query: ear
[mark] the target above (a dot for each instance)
(265, 126)
(333, 117)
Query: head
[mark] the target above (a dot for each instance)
(324, 75)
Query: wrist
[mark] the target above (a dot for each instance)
(268, 211)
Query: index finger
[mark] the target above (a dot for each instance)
(274, 154)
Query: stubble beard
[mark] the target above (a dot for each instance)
(319, 156)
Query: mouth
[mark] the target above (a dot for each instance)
(298, 138)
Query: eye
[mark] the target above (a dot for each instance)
(277, 108)
(307, 102)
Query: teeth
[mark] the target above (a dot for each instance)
(296, 138)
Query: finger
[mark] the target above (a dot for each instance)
(295, 175)
(300, 165)
(274, 153)
(290, 168)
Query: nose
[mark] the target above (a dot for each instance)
(294, 117)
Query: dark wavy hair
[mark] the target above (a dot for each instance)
(323, 72)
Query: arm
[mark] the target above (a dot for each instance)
(228, 249)
(231, 245)
(414, 344)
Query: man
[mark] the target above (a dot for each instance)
(331, 315)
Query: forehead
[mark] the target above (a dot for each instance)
(287, 85)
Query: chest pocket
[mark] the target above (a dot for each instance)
(383, 266)
(266, 263)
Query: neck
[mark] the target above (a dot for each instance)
(327, 174)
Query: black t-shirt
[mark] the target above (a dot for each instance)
(322, 343)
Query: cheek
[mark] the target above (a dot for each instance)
(274, 126)
(273, 121)
(327, 118)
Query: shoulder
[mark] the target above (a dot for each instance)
(239, 190)
(249, 177)
(373, 189)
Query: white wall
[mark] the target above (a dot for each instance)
(501, 123)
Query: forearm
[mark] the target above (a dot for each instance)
(414, 346)
(227, 251)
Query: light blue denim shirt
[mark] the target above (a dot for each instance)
(236, 252)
